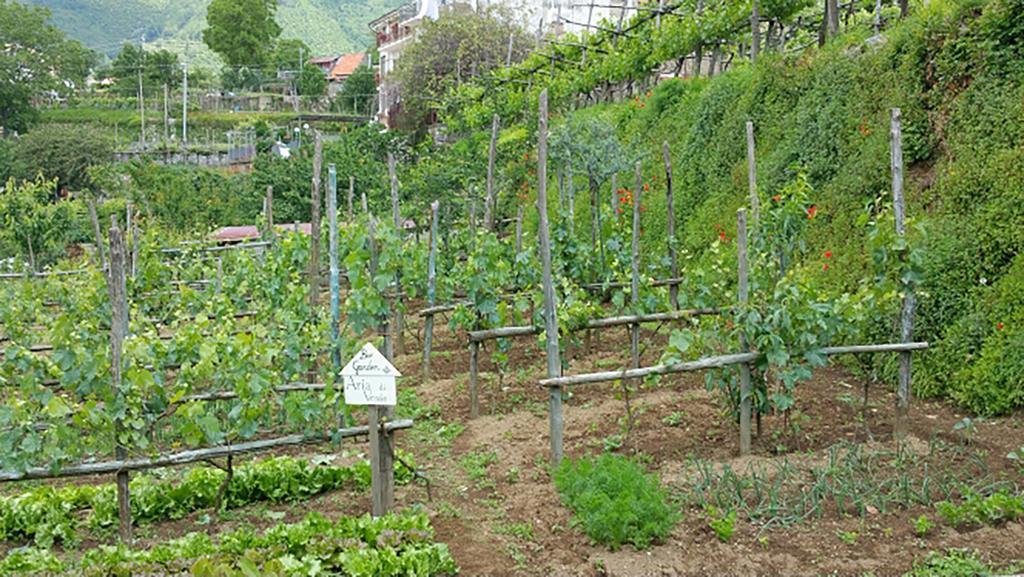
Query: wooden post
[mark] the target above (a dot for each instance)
(907, 312)
(127, 238)
(118, 292)
(755, 30)
(365, 203)
(399, 322)
(351, 194)
(472, 221)
(136, 242)
(474, 376)
(745, 388)
(615, 195)
(491, 207)
(382, 469)
(268, 212)
(755, 202)
(519, 229)
(673, 289)
(220, 275)
(314, 224)
(100, 250)
(335, 274)
(428, 322)
(550, 320)
(571, 188)
(560, 177)
(634, 329)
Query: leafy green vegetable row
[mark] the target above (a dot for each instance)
(46, 515)
(355, 546)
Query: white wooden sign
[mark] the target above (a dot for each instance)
(369, 379)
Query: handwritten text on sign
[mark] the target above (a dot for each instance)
(369, 379)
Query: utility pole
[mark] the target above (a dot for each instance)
(298, 75)
(167, 113)
(184, 101)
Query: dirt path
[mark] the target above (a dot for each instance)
(504, 517)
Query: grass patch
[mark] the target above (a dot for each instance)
(615, 501)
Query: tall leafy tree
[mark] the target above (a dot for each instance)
(358, 93)
(157, 69)
(35, 58)
(242, 32)
(462, 45)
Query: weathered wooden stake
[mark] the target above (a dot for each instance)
(428, 323)
(491, 206)
(634, 328)
(673, 289)
(128, 238)
(562, 201)
(335, 279)
(571, 188)
(550, 320)
(100, 249)
(755, 202)
(268, 213)
(745, 387)
(399, 322)
(474, 377)
(118, 292)
(220, 276)
(382, 468)
(909, 302)
(615, 195)
(519, 229)
(351, 195)
(365, 203)
(314, 224)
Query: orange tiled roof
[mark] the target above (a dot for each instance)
(346, 65)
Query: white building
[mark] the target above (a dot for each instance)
(396, 30)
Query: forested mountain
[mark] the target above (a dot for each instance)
(328, 26)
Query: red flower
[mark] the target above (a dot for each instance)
(828, 254)
(777, 198)
(999, 326)
(813, 210)
(824, 266)
(526, 156)
(721, 236)
(647, 187)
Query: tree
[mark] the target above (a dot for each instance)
(312, 82)
(462, 45)
(35, 58)
(158, 69)
(64, 154)
(358, 93)
(30, 223)
(288, 54)
(242, 32)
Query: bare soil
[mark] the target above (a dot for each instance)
(473, 517)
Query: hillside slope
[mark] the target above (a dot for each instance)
(328, 26)
(957, 71)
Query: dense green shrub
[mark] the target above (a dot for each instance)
(615, 502)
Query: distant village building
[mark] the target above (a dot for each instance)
(337, 69)
(395, 30)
